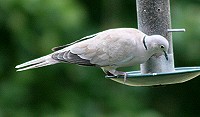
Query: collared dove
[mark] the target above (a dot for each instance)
(109, 50)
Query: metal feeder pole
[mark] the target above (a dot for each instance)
(154, 18)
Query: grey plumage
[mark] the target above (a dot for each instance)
(109, 50)
(71, 58)
(36, 63)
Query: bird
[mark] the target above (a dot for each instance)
(108, 50)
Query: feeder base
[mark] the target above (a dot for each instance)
(180, 75)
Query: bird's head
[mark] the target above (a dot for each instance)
(157, 44)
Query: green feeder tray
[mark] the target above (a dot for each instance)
(180, 75)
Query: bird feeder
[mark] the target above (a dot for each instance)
(154, 18)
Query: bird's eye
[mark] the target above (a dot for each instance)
(162, 46)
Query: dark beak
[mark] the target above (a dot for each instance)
(166, 56)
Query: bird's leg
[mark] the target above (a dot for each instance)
(125, 75)
(118, 73)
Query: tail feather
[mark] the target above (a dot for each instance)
(39, 62)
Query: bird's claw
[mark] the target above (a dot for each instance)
(124, 74)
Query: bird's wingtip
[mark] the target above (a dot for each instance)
(19, 70)
(17, 66)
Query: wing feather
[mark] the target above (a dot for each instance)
(105, 49)
(71, 58)
(64, 46)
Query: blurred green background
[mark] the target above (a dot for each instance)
(30, 28)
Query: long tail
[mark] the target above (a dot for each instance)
(39, 62)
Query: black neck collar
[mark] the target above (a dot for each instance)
(144, 43)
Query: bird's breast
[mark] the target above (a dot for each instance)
(132, 61)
